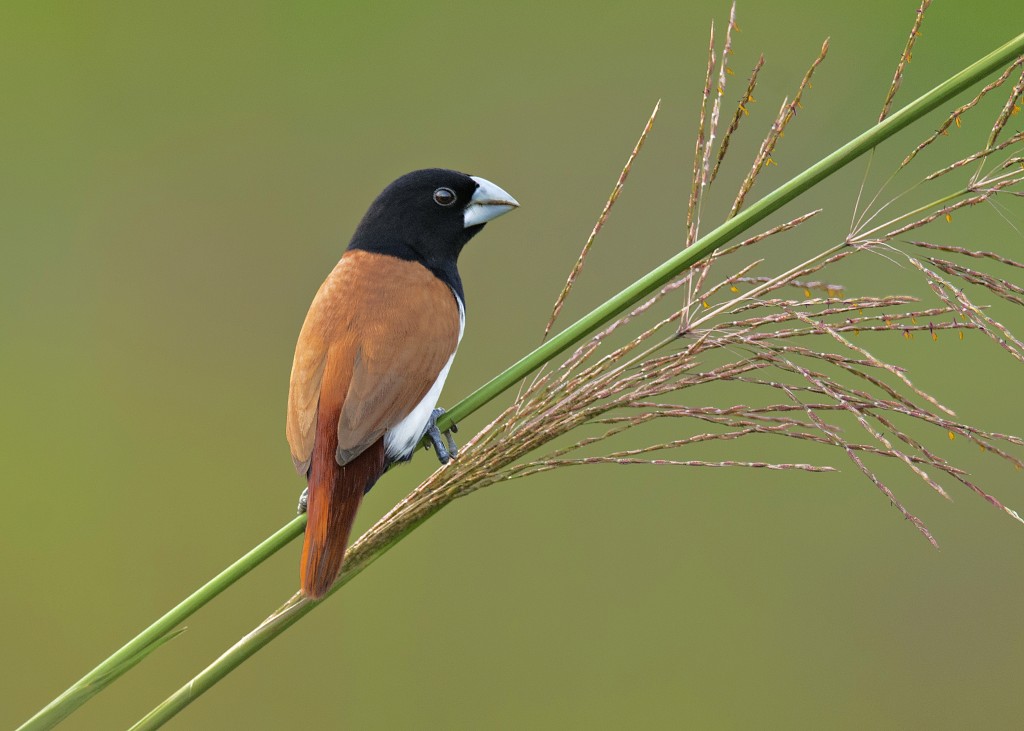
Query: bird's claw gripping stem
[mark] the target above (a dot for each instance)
(445, 447)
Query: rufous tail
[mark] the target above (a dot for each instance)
(335, 492)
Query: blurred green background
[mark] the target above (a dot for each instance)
(177, 181)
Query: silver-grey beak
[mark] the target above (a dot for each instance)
(488, 201)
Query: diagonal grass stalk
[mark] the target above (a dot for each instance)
(385, 535)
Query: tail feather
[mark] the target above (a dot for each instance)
(335, 492)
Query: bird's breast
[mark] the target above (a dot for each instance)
(401, 439)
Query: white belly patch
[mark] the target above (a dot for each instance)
(401, 439)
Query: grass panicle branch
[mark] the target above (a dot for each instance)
(699, 145)
(742, 111)
(616, 190)
(1011, 107)
(908, 52)
(786, 114)
(956, 114)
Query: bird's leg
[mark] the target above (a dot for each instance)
(303, 502)
(444, 452)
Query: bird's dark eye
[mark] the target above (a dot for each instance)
(444, 196)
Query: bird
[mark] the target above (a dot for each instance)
(374, 351)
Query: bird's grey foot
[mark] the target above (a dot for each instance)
(303, 501)
(444, 445)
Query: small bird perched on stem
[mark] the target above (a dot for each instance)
(375, 348)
